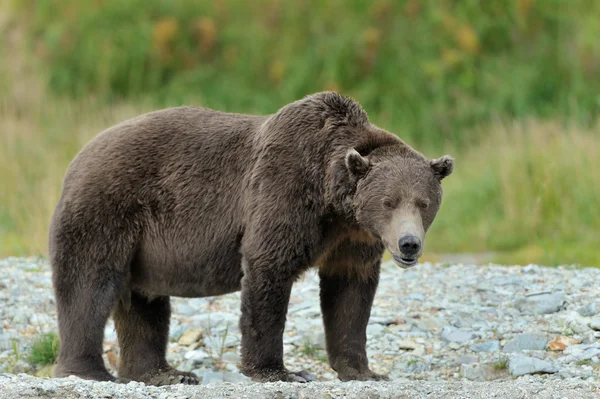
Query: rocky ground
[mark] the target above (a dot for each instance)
(435, 322)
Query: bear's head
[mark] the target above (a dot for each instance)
(397, 198)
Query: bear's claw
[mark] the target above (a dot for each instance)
(172, 377)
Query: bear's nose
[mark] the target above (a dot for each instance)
(409, 245)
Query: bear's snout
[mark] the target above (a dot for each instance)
(409, 245)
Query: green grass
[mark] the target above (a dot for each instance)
(44, 350)
(429, 70)
(501, 364)
(527, 193)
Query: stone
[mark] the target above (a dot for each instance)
(522, 365)
(577, 323)
(482, 372)
(526, 341)
(190, 336)
(198, 356)
(488, 346)
(583, 352)
(467, 359)
(589, 310)
(385, 321)
(407, 344)
(211, 376)
(432, 324)
(235, 378)
(230, 357)
(561, 343)
(374, 330)
(450, 334)
(185, 309)
(595, 323)
(540, 303)
(176, 332)
(485, 287)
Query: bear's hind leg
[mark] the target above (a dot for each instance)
(83, 308)
(143, 333)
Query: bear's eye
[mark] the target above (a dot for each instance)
(422, 204)
(389, 204)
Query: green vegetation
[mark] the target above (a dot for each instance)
(44, 350)
(313, 351)
(501, 364)
(508, 87)
(427, 69)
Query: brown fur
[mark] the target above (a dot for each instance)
(192, 202)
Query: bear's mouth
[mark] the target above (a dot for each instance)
(405, 262)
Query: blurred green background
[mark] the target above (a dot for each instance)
(510, 88)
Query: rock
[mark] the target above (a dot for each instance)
(507, 281)
(413, 365)
(190, 336)
(407, 344)
(211, 376)
(432, 324)
(230, 357)
(450, 334)
(40, 319)
(561, 342)
(185, 309)
(583, 352)
(484, 287)
(482, 372)
(176, 332)
(521, 365)
(374, 330)
(385, 321)
(589, 310)
(577, 323)
(467, 359)
(235, 378)
(595, 323)
(488, 346)
(416, 297)
(198, 356)
(540, 303)
(526, 341)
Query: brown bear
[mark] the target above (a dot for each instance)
(193, 202)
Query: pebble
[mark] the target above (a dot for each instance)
(488, 346)
(540, 303)
(432, 322)
(595, 323)
(522, 365)
(191, 336)
(560, 343)
(482, 372)
(589, 310)
(450, 334)
(577, 323)
(526, 341)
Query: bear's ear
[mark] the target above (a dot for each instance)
(357, 165)
(442, 167)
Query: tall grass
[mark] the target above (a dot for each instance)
(428, 69)
(529, 192)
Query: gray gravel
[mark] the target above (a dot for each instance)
(25, 386)
(466, 330)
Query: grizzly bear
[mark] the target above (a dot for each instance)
(193, 202)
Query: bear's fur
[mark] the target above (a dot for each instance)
(192, 202)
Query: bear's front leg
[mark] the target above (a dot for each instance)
(346, 302)
(266, 288)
